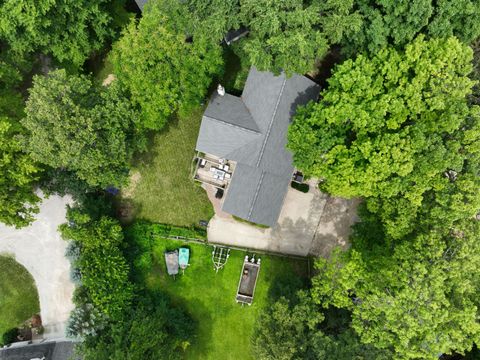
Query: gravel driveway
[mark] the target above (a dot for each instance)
(40, 249)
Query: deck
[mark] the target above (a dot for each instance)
(214, 171)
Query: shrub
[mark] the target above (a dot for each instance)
(145, 230)
(9, 336)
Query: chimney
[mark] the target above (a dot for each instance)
(220, 90)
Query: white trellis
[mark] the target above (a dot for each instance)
(220, 256)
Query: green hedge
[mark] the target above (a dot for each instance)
(146, 229)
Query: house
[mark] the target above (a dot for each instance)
(43, 350)
(243, 139)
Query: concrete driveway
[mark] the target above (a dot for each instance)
(311, 223)
(40, 249)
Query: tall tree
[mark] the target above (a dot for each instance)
(291, 35)
(152, 330)
(419, 297)
(164, 68)
(288, 331)
(104, 272)
(396, 23)
(18, 175)
(79, 127)
(394, 127)
(68, 30)
(18, 171)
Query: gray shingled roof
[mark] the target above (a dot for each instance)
(141, 3)
(252, 130)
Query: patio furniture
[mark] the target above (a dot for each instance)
(226, 167)
(220, 174)
(212, 169)
(298, 177)
(228, 176)
(220, 167)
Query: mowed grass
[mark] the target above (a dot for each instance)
(18, 295)
(225, 328)
(166, 192)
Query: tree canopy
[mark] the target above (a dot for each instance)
(19, 174)
(68, 30)
(419, 298)
(295, 330)
(283, 35)
(104, 272)
(393, 127)
(77, 126)
(389, 22)
(152, 330)
(161, 66)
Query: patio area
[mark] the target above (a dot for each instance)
(213, 171)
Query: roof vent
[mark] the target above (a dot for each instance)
(220, 90)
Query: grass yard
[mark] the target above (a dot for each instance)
(164, 191)
(225, 328)
(18, 295)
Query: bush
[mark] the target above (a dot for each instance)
(147, 230)
(9, 336)
(300, 187)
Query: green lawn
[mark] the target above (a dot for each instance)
(225, 328)
(18, 295)
(165, 192)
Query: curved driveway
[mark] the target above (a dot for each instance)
(41, 250)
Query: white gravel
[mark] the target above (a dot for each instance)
(41, 250)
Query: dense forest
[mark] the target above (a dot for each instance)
(397, 124)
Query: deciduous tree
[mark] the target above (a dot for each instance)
(396, 23)
(164, 69)
(419, 297)
(77, 126)
(19, 173)
(290, 35)
(103, 269)
(69, 30)
(395, 128)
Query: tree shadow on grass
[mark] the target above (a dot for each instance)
(287, 286)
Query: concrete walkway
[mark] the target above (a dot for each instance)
(309, 224)
(40, 249)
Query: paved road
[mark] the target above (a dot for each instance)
(311, 223)
(40, 249)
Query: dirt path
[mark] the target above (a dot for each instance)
(40, 249)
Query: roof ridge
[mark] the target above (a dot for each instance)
(256, 195)
(267, 134)
(233, 125)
